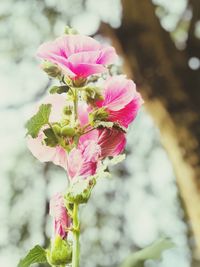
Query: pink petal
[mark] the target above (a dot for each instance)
(45, 153)
(86, 69)
(107, 56)
(126, 115)
(74, 163)
(118, 92)
(82, 161)
(83, 111)
(59, 213)
(111, 141)
(67, 45)
(58, 103)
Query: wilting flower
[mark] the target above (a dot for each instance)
(37, 146)
(121, 100)
(78, 56)
(62, 220)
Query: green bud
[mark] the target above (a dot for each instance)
(51, 69)
(56, 128)
(80, 191)
(67, 131)
(60, 252)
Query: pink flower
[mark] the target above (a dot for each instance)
(37, 146)
(61, 218)
(121, 100)
(77, 55)
(83, 161)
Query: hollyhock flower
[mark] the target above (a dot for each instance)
(121, 100)
(37, 146)
(61, 218)
(78, 56)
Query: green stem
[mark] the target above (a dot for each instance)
(76, 233)
(75, 100)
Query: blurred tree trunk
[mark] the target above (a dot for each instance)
(170, 90)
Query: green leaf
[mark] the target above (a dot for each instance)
(35, 255)
(51, 139)
(41, 118)
(153, 252)
(59, 89)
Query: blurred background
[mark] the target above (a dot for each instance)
(155, 191)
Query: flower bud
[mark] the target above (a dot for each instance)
(56, 128)
(80, 191)
(67, 131)
(60, 252)
(51, 69)
(69, 30)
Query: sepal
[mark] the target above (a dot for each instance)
(59, 89)
(80, 190)
(60, 252)
(51, 69)
(92, 94)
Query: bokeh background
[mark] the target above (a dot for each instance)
(154, 192)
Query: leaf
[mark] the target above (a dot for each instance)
(35, 255)
(153, 252)
(41, 118)
(51, 139)
(59, 89)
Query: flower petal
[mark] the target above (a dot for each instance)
(118, 92)
(127, 114)
(111, 141)
(45, 153)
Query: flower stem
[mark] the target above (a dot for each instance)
(76, 233)
(75, 100)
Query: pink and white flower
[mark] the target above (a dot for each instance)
(78, 56)
(121, 100)
(58, 211)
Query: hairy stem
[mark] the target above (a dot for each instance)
(76, 233)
